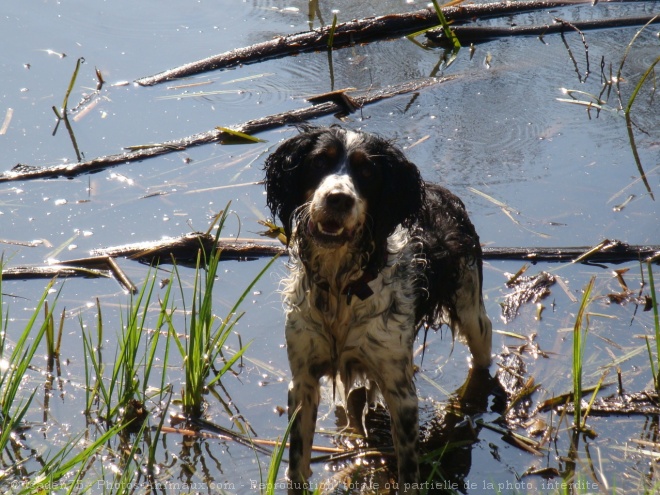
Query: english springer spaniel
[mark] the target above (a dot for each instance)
(376, 254)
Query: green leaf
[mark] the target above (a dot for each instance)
(237, 137)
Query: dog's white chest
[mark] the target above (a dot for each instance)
(344, 323)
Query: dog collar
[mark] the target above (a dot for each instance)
(360, 287)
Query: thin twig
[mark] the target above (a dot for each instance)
(474, 34)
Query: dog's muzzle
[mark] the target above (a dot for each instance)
(334, 221)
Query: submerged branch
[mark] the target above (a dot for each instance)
(349, 33)
(468, 34)
(137, 153)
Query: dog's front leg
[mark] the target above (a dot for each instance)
(307, 352)
(394, 376)
(304, 396)
(403, 407)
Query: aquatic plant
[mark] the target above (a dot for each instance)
(276, 458)
(52, 344)
(331, 35)
(655, 366)
(57, 471)
(55, 466)
(14, 367)
(449, 34)
(134, 359)
(203, 340)
(69, 89)
(580, 329)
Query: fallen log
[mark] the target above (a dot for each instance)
(606, 252)
(349, 33)
(184, 249)
(137, 153)
(475, 34)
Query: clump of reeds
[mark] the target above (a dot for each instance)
(206, 334)
(119, 391)
(14, 366)
(134, 359)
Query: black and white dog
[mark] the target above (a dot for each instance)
(376, 253)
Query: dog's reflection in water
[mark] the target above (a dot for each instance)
(447, 437)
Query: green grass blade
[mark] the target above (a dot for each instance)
(595, 393)
(276, 459)
(57, 468)
(652, 363)
(72, 83)
(449, 34)
(656, 326)
(229, 364)
(579, 335)
(639, 85)
(240, 137)
(153, 347)
(331, 36)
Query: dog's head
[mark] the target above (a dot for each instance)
(342, 186)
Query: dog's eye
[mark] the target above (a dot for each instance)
(361, 164)
(326, 157)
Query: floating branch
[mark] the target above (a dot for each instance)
(473, 34)
(50, 271)
(605, 252)
(636, 403)
(142, 152)
(93, 267)
(185, 248)
(348, 33)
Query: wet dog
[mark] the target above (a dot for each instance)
(376, 254)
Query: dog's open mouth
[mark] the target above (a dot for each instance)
(329, 232)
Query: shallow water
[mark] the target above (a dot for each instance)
(533, 171)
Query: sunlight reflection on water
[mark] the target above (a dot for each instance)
(495, 135)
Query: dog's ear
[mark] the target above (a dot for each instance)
(402, 195)
(285, 190)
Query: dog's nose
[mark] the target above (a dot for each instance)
(340, 201)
